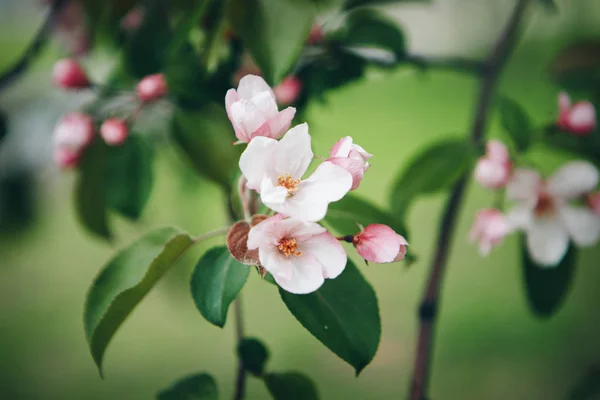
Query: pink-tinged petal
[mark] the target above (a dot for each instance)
(280, 266)
(564, 102)
(248, 118)
(65, 158)
(489, 229)
(582, 225)
(232, 97)
(520, 216)
(274, 197)
(74, 131)
(68, 74)
(341, 148)
(356, 168)
(574, 179)
(266, 104)
(307, 275)
(547, 241)
(281, 122)
(582, 118)
(378, 243)
(497, 151)
(524, 185)
(265, 233)
(114, 131)
(402, 253)
(328, 252)
(252, 85)
(593, 201)
(491, 174)
(293, 154)
(151, 87)
(254, 161)
(361, 151)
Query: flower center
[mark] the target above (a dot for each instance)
(289, 247)
(289, 183)
(545, 205)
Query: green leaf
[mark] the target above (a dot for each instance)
(273, 31)
(586, 387)
(343, 215)
(547, 287)
(435, 169)
(516, 122)
(206, 137)
(291, 386)
(549, 4)
(216, 281)
(125, 280)
(581, 146)
(194, 387)
(577, 67)
(90, 189)
(343, 314)
(362, 3)
(254, 355)
(129, 179)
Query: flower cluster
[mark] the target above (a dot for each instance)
(552, 212)
(76, 130)
(298, 252)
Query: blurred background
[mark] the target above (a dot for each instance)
(489, 345)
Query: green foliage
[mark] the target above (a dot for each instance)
(343, 314)
(90, 190)
(435, 169)
(206, 137)
(129, 180)
(254, 355)
(274, 32)
(125, 280)
(194, 387)
(516, 122)
(216, 281)
(547, 287)
(291, 386)
(577, 67)
(581, 146)
(3, 126)
(587, 387)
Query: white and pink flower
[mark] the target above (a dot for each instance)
(252, 110)
(380, 244)
(74, 131)
(352, 157)
(275, 170)
(578, 119)
(545, 213)
(493, 170)
(489, 229)
(65, 158)
(300, 255)
(68, 74)
(114, 131)
(593, 201)
(151, 88)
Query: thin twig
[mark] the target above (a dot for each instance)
(36, 45)
(431, 298)
(240, 380)
(208, 235)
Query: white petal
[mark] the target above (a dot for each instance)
(582, 224)
(272, 196)
(573, 180)
(524, 185)
(265, 233)
(293, 154)
(342, 147)
(307, 275)
(547, 241)
(247, 116)
(265, 102)
(520, 216)
(329, 253)
(280, 266)
(497, 151)
(281, 122)
(255, 160)
(251, 85)
(582, 116)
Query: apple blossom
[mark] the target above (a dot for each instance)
(543, 210)
(68, 74)
(288, 90)
(253, 112)
(380, 244)
(579, 119)
(593, 201)
(489, 228)
(151, 87)
(275, 169)
(351, 157)
(65, 158)
(493, 170)
(300, 255)
(114, 131)
(73, 132)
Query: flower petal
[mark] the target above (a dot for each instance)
(582, 117)
(281, 122)
(255, 160)
(273, 196)
(491, 174)
(265, 233)
(251, 85)
(520, 216)
(248, 117)
(378, 243)
(307, 275)
(280, 266)
(547, 241)
(293, 154)
(496, 151)
(524, 185)
(266, 104)
(573, 180)
(582, 224)
(328, 252)
(341, 148)
(356, 168)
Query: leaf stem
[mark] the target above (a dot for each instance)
(494, 65)
(210, 234)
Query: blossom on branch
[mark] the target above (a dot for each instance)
(352, 158)
(68, 74)
(489, 229)
(578, 119)
(288, 90)
(151, 88)
(72, 134)
(493, 170)
(114, 131)
(380, 244)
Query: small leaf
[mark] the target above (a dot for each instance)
(254, 355)
(237, 241)
(129, 179)
(435, 169)
(547, 287)
(194, 387)
(216, 281)
(343, 314)
(90, 190)
(516, 122)
(125, 280)
(291, 386)
(206, 137)
(273, 31)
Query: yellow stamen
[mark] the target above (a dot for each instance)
(288, 182)
(289, 247)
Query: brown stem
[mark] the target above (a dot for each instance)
(494, 65)
(240, 381)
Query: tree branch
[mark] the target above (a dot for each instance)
(494, 65)
(36, 45)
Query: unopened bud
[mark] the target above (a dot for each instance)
(288, 90)
(68, 74)
(151, 88)
(114, 131)
(380, 244)
(74, 131)
(65, 158)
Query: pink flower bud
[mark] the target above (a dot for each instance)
(493, 170)
(73, 132)
(114, 131)
(593, 201)
(578, 119)
(288, 90)
(352, 157)
(380, 244)
(65, 158)
(151, 88)
(315, 36)
(489, 228)
(68, 74)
